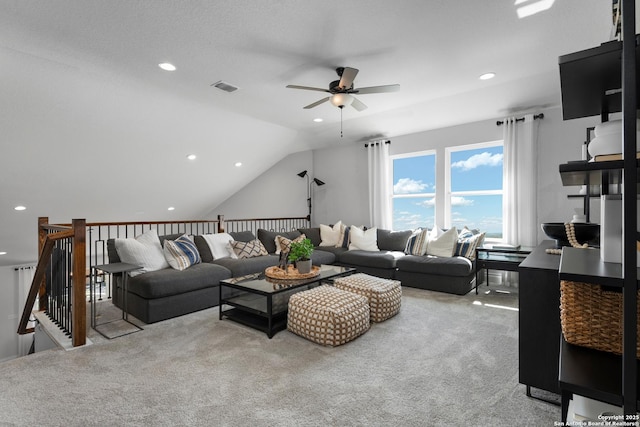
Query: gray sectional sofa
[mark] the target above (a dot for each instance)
(167, 293)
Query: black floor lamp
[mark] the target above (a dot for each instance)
(310, 182)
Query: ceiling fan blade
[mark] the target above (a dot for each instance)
(348, 75)
(308, 88)
(377, 89)
(315, 104)
(358, 105)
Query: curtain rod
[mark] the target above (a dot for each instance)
(375, 143)
(521, 119)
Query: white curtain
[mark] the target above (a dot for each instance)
(520, 178)
(379, 184)
(25, 277)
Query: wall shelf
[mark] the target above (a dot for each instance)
(585, 265)
(586, 77)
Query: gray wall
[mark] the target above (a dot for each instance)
(8, 311)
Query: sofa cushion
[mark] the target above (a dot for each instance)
(377, 259)
(393, 240)
(319, 257)
(181, 253)
(242, 267)
(203, 249)
(445, 266)
(168, 282)
(336, 251)
(268, 238)
(144, 251)
(242, 236)
(313, 234)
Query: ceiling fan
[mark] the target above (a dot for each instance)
(342, 90)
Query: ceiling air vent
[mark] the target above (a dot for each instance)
(227, 87)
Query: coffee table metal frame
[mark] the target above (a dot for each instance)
(262, 303)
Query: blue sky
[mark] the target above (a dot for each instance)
(471, 170)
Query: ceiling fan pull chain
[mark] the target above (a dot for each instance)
(341, 121)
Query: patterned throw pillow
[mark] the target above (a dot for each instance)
(467, 244)
(181, 253)
(417, 243)
(283, 244)
(250, 249)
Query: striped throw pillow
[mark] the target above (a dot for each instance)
(466, 246)
(417, 243)
(181, 253)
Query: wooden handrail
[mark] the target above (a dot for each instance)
(38, 285)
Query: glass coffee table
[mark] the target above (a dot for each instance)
(262, 303)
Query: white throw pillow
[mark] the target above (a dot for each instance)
(363, 240)
(219, 245)
(144, 251)
(330, 235)
(442, 243)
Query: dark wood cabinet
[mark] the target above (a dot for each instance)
(539, 319)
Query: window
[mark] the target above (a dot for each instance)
(471, 194)
(473, 179)
(414, 187)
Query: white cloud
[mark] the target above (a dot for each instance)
(460, 201)
(428, 203)
(482, 159)
(409, 186)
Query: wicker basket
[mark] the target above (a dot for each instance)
(592, 317)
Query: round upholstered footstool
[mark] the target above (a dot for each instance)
(384, 295)
(328, 316)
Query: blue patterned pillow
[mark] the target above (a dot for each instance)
(417, 243)
(467, 244)
(181, 253)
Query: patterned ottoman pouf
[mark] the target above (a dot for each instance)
(328, 316)
(384, 295)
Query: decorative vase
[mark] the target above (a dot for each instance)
(303, 267)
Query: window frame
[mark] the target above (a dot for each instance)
(448, 194)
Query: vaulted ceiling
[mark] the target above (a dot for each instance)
(92, 128)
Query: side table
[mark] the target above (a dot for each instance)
(118, 327)
(499, 258)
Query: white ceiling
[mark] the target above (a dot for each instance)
(87, 117)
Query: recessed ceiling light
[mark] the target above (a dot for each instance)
(317, 120)
(238, 164)
(191, 157)
(3, 253)
(20, 208)
(487, 76)
(167, 66)
(171, 208)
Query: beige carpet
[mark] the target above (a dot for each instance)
(444, 360)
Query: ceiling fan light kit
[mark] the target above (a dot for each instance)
(342, 91)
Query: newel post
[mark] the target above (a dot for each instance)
(42, 237)
(220, 223)
(79, 299)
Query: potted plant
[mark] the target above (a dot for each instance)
(300, 253)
